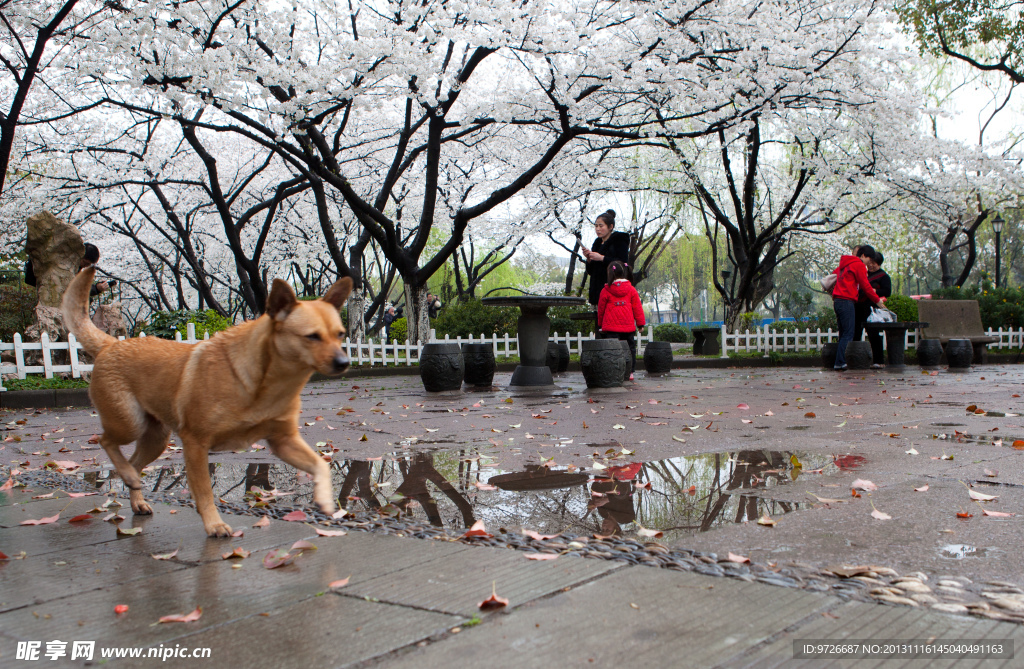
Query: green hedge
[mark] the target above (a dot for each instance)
(904, 307)
(17, 309)
(999, 307)
(461, 319)
(672, 332)
(399, 330)
(164, 324)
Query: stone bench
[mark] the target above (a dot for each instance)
(705, 341)
(955, 319)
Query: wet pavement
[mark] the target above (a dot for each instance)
(675, 471)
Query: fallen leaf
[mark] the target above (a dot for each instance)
(262, 522)
(912, 451)
(295, 516)
(964, 514)
(542, 556)
(680, 439)
(277, 558)
(692, 490)
(493, 602)
(1018, 444)
(538, 537)
(164, 556)
(826, 500)
(8, 485)
(863, 484)
(79, 518)
(121, 608)
(810, 414)
(981, 497)
(644, 532)
(339, 584)
(478, 530)
(744, 420)
(128, 532)
(303, 545)
(618, 427)
(236, 553)
(330, 533)
(991, 472)
(875, 513)
(743, 406)
(737, 558)
(923, 488)
(48, 495)
(995, 514)
(766, 521)
(187, 618)
(41, 521)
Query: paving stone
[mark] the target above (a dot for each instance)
(327, 631)
(225, 594)
(863, 621)
(461, 582)
(680, 619)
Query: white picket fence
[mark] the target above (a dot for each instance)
(763, 340)
(370, 352)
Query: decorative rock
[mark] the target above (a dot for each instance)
(828, 355)
(551, 357)
(950, 584)
(479, 365)
(913, 586)
(929, 353)
(441, 367)
(949, 608)
(109, 319)
(896, 600)
(927, 600)
(959, 354)
(858, 355)
(56, 249)
(658, 357)
(921, 576)
(602, 363)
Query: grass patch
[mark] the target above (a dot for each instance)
(42, 383)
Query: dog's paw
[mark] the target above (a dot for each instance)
(327, 506)
(141, 508)
(218, 529)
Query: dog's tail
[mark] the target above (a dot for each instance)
(75, 307)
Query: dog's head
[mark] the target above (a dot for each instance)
(310, 332)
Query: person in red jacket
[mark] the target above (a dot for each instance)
(619, 312)
(852, 281)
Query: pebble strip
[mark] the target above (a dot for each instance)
(999, 600)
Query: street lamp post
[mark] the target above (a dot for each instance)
(997, 226)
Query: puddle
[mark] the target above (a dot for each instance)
(961, 551)
(679, 496)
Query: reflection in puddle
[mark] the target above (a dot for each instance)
(961, 551)
(678, 496)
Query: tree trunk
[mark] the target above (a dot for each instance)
(416, 312)
(572, 267)
(356, 307)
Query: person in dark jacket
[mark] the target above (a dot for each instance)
(619, 311)
(608, 247)
(852, 278)
(389, 318)
(882, 284)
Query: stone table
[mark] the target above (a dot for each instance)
(895, 340)
(534, 329)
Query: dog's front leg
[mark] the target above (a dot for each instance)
(295, 451)
(197, 470)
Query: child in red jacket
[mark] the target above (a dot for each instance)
(619, 312)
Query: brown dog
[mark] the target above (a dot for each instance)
(241, 386)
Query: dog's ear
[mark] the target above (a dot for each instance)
(337, 294)
(281, 300)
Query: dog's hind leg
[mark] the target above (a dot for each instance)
(292, 449)
(197, 470)
(147, 449)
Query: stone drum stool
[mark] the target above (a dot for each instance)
(929, 353)
(628, 356)
(563, 357)
(858, 355)
(658, 357)
(553, 359)
(959, 354)
(828, 355)
(441, 367)
(603, 363)
(479, 364)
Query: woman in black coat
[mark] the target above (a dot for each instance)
(880, 281)
(609, 246)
